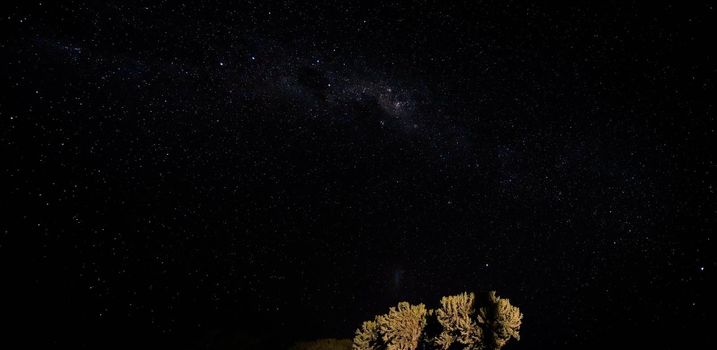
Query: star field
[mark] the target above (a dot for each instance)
(188, 175)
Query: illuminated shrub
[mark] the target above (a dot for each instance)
(461, 325)
(400, 329)
(368, 337)
(500, 321)
(456, 315)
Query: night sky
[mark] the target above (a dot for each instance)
(185, 175)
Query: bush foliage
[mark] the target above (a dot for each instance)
(463, 323)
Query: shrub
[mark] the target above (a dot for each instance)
(399, 329)
(456, 317)
(368, 337)
(402, 327)
(489, 327)
(500, 321)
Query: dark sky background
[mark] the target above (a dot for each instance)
(181, 175)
